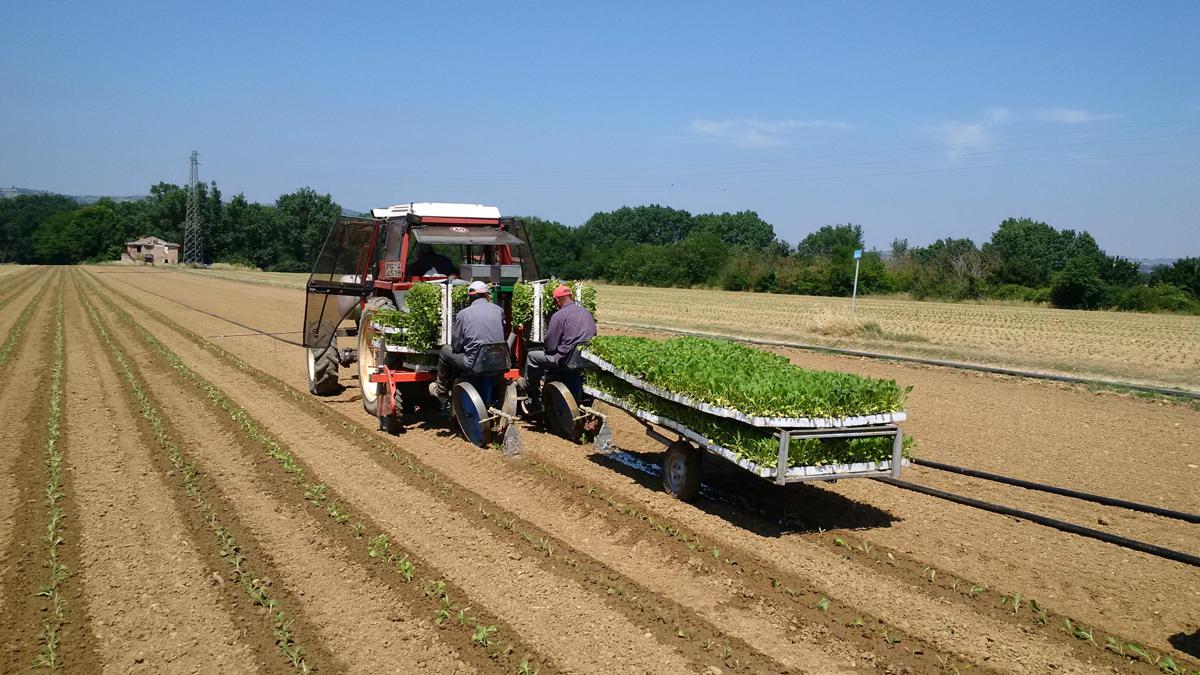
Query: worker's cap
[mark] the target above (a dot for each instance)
(562, 291)
(477, 288)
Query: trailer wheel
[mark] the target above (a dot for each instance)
(366, 354)
(323, 370)
(681, 470)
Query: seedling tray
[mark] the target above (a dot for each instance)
(756, 421)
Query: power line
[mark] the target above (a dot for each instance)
(193, 235)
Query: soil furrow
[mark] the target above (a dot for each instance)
(475, 558)
(919, 534)
(360, 618)
(717, 598)
(24, 502)
(153, 603)
(928, 627)
(280, 637)
(13, 323)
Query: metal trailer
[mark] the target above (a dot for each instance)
(682, 464)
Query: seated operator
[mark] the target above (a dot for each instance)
(478, 324)
(569, 326)
(430, 263)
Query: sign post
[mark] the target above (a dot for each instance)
(854, 294)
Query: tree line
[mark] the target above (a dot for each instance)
(1024, 260)
(649, 245)
(55, 229)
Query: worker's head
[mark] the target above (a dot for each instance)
(562, 295)
(423, 251)
(477, 289)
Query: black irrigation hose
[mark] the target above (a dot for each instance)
(1124, 542)
(1054, 489)
(958, 365)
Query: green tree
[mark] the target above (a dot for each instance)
(831, 241)
(1079, 285)
(744, 228)
(307, 217)
(653, 224)
(1184, 273)
(19, 219)
(556, 247)
(90, 233)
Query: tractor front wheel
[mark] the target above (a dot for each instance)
(323, 370)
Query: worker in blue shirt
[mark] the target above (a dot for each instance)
(476, 325)
(570, 325)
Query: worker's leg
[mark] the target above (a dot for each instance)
(536, 363)
(449, 366)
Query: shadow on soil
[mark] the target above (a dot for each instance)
(1188, 644)
(756, 505)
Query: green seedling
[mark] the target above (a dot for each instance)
(482, 635)
(1114, 645)
(716, 552)
(1139, 651)
(378, 547)
(838, 541)
(524, 668)
(856, 623)
(976, 591)
(823, 604)
(358, 529)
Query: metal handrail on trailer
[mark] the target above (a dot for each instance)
(786, 429)
(781, 473)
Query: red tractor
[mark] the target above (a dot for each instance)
(366, 265)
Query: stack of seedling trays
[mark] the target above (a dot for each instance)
(754, 408)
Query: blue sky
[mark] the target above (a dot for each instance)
(914, 120)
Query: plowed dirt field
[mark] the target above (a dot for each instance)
(172, 499)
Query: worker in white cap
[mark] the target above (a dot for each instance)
(478, 324)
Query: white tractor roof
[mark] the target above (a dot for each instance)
(440, 209)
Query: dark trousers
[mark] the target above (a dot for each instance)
(536, 364)
(450, 365)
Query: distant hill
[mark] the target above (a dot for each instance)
(9, 192)
(1148, 264)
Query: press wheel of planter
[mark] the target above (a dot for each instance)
(562, 412)
(681, 470)
(367, 355)
(470, 412)
(508, 405)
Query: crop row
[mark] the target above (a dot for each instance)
(779, 585)
(47, 656)
(230, 550)
(376, 548)
(14, 333)
(661, 616)
(672, 621)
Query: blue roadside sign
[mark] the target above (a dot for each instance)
(857, 253)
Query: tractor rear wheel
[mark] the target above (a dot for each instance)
(323, 370)
(367, 354)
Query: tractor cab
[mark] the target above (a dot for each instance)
(370, 264)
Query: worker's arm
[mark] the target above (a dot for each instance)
(554, 333)
(456, 335)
